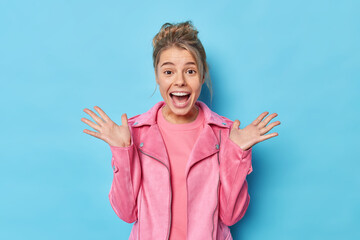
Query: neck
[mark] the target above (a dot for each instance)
(180, 119)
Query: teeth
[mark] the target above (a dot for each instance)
(179, 93)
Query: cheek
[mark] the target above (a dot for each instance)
(163, 87)
(160, 82)
(197, 87)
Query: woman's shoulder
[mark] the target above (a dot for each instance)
(227, 120)
(147, 117)
(215, 117)
(133, 118)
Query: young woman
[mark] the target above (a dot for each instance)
(180, 169)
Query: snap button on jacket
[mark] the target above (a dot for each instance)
(217, 190)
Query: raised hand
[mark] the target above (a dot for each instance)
(107, 130)
(253, 133)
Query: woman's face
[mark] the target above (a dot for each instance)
(180, 85)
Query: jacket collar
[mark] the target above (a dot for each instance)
(149, 117)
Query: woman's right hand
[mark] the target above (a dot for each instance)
(107, 130)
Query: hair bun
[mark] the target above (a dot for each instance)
(184, 31)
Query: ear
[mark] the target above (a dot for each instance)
(156, 78)
(203, 79)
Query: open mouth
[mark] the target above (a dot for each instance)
(180, 99)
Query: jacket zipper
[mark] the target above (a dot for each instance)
(138, 235)
(217, 191)
(217, 202)
(168, 234)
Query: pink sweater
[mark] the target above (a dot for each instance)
(179, 140)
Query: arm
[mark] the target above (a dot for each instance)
(235, 165)
(126, 182)
(125, 162)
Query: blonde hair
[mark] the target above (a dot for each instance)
(182, 35)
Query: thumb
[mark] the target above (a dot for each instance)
(124, 120)
(236, 124)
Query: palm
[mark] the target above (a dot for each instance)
(107, 130)
(253, 133)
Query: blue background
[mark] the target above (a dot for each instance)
(299, 59)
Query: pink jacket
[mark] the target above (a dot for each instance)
(216, 171)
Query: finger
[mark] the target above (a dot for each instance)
(124, 120)
(267, 136)
(92, 133)
(102, 114)
(94, 116)
(269, 127)
(267, 120)
(91, 124)
(236, 124)
(259, 118)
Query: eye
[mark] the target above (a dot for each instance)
(191, 71)
(167, 72)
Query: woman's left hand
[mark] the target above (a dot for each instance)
(253, 133)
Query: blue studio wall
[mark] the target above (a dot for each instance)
(299, 59)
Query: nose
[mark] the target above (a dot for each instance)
(180, 80)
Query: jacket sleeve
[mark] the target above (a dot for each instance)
(235, 165)
(126, 182)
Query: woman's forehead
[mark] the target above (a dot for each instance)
(176, 56)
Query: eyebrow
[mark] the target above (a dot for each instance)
(170, 63)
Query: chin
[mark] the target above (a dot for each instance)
(180, 112)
